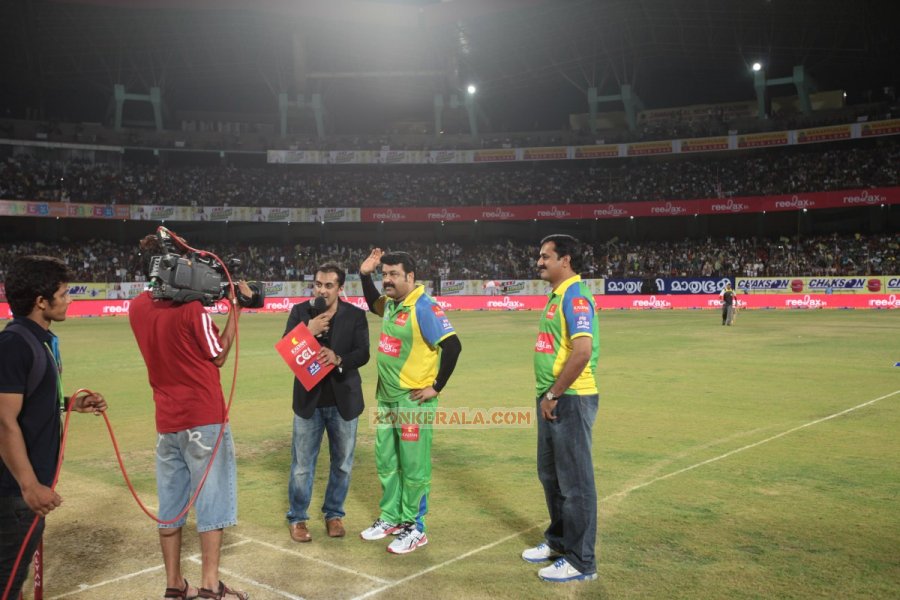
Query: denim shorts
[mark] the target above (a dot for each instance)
(181, 461)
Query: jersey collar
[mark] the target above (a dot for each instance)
(411, 298)
(562, 287)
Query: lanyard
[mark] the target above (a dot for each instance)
(53, 349)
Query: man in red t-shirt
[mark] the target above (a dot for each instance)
(183, 350)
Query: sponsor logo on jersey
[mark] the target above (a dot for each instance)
(389, 345)
(544, 343)
(580, 305)
(401, 319)
(409, 433)
(551, 312)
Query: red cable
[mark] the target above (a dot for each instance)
(62, 450)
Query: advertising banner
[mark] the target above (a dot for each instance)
(548, 153)
(97, 211)
(333, 215)
(446, 157)
(823, 134)
(889, 127)
(125, 290)
(600, 151)
(267, 214)
(97, 308)
(649, 148)
(865, 284)
(296, 157)
(13, 208)
(762, 140)
(466, 287)
(87, 291)
(352, 157)
(161, 213)
(503, 155)
(522, 287)
(704, 144)
(666, 285)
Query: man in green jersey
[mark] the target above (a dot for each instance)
(565, 362)
(417, 352)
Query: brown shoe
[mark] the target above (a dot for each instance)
(299, 532)
(335, 527)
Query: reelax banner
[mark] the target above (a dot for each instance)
(99, 308)
(489, 212)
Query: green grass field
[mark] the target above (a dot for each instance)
(719, 472)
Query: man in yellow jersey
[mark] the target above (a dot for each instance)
(565, 361)
(417, 352)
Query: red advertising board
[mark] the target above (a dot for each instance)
(622, 210)
(98, 308)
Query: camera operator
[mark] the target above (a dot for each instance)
(183, 351)
(333, 405)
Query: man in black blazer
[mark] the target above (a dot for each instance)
(333, 405)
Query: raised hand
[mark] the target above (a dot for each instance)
(369, 265)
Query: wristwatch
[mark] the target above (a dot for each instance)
(550, 396)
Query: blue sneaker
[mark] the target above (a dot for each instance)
(540, 553)
(561, 572)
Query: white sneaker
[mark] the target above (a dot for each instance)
(379, 530)
(561, 571)
(408, 540)
(540, 553)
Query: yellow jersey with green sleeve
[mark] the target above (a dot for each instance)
(408, 352)
(570, 313)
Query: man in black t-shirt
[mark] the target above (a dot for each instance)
(30, 402)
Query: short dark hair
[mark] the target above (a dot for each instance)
(333, 268)
(400, 258)
(32, 276)
(566, 245)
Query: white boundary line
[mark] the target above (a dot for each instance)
(84, 588)
(318, 560)
(253, 582)
(626, 492)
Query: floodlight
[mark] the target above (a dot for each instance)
(471, 89)
(757, 66)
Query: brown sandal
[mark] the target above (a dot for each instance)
(179, 594)
(221, 593)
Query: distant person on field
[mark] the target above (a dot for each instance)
(333, 405)
(728, 297)
(37, 290)
(565, 364)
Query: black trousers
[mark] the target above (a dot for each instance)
(15, 520)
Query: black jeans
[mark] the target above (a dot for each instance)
(15, 520)
(566, 471)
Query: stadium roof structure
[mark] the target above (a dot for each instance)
(531, 60)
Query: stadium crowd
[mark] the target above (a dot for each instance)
(856, 255)
(778, 171)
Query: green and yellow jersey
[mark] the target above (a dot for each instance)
(569, 314)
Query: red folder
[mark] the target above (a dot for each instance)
(299, 349)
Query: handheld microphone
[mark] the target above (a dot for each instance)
(319, 305)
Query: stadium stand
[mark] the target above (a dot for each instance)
(820, 167)
(847, 255)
